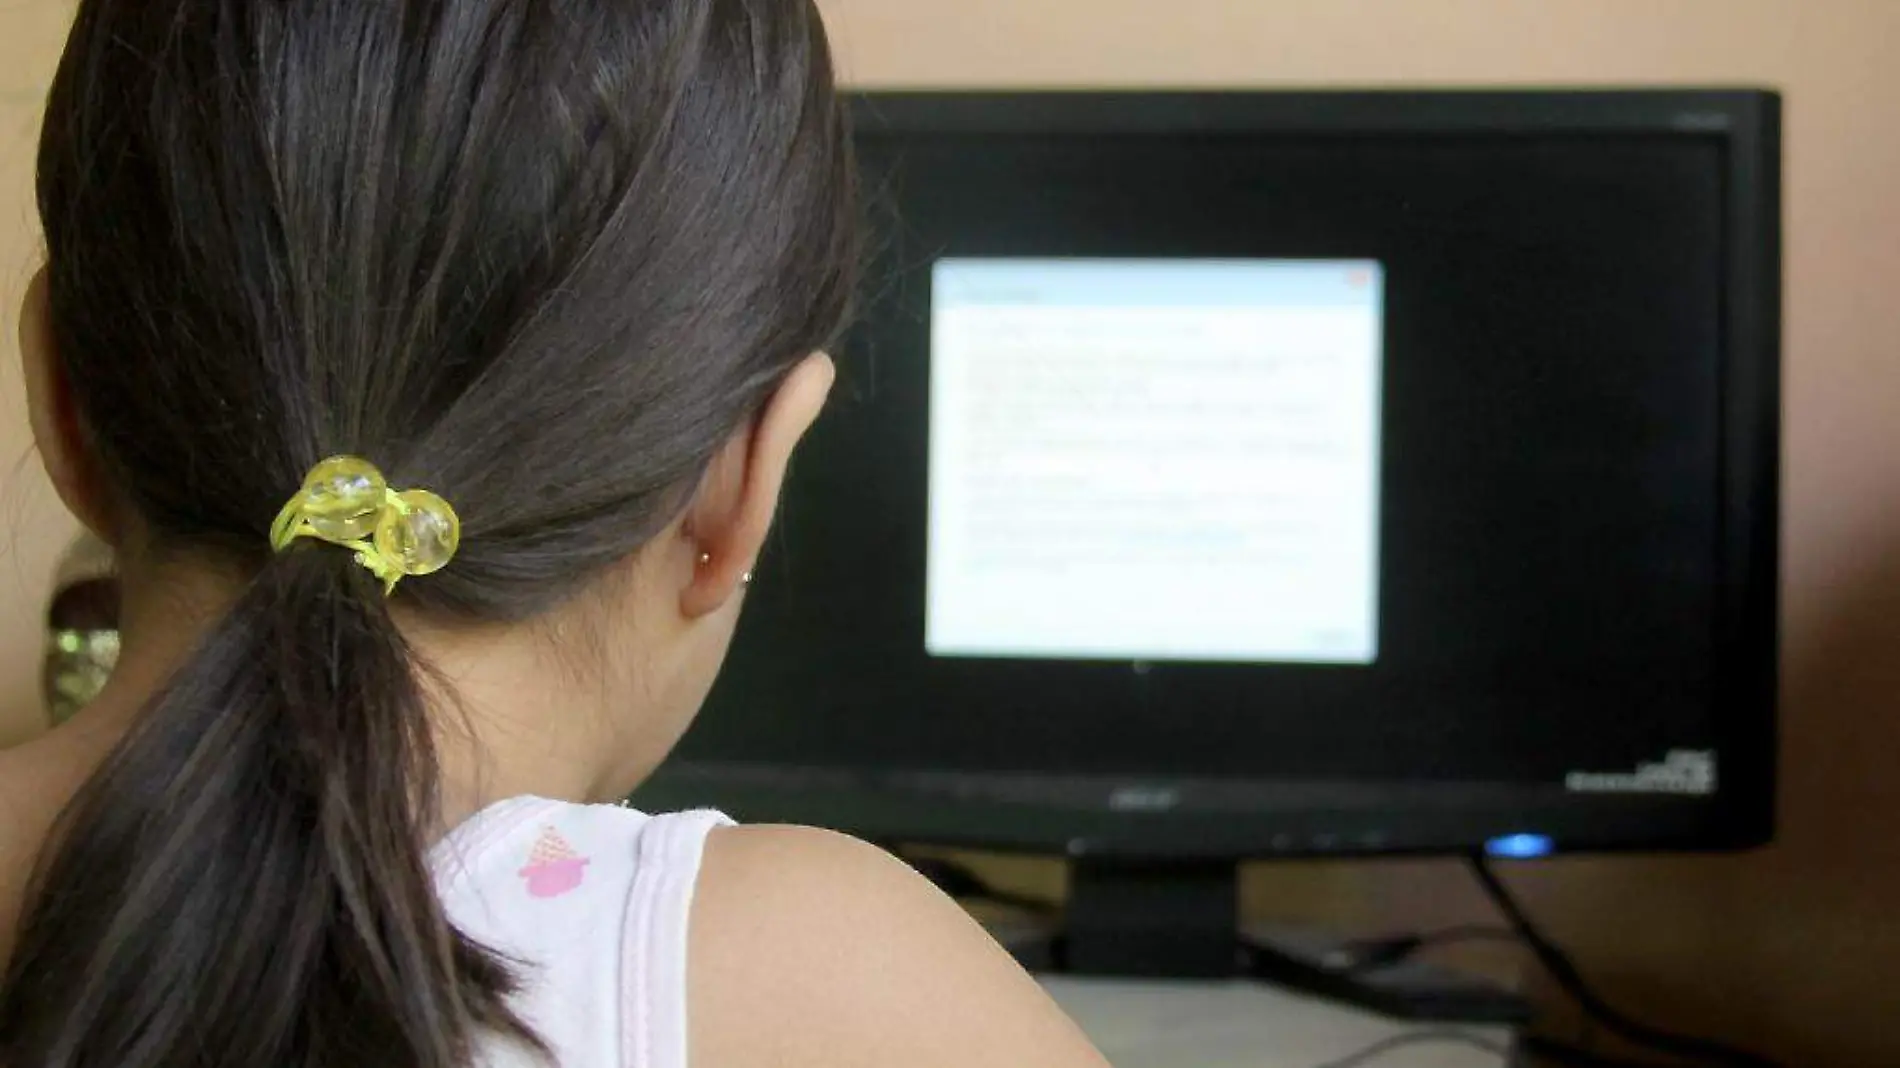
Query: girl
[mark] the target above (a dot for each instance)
(432, 367)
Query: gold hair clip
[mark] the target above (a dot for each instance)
(345, 501)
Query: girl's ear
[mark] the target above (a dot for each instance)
(732, 512)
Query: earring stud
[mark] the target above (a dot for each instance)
(744, 580)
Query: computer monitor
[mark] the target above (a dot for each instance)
(1234, 475)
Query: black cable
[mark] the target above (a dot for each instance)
(1439, 1036)
(1477, 932)
(1565, 1055)
(1372, 954)
(1565, 972)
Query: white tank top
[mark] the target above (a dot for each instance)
(593, 901)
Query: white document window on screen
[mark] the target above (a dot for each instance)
(1155, 460)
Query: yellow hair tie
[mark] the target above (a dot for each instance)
(345, 501)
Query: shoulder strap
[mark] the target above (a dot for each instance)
(659, 907)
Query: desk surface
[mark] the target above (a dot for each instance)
(1141, 1024)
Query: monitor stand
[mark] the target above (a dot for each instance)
(1178, 919)
(1156, 919)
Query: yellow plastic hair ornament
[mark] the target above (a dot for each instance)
(396, 533)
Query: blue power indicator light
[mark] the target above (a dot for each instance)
(1520, 847)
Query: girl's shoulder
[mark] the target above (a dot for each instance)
(813, 949)
(38, 778)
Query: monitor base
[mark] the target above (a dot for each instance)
(1313, 963)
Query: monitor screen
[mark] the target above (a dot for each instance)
(1146, 460)
(1312, 479)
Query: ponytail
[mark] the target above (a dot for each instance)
(244, 881)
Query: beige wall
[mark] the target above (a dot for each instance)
(1793, 948)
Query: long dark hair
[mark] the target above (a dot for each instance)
(540, 256)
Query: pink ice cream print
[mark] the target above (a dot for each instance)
(553, 868)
